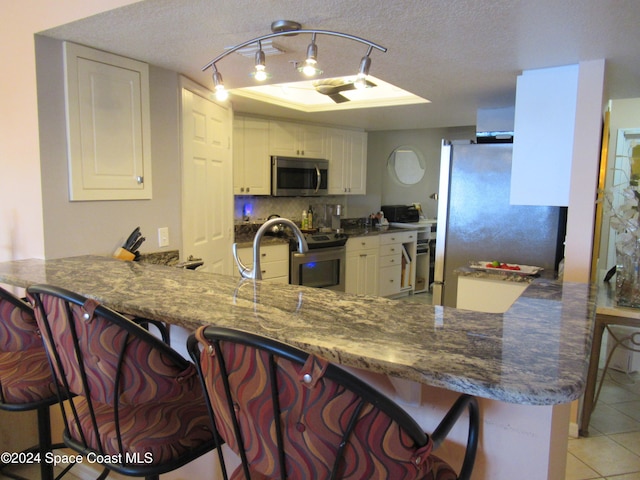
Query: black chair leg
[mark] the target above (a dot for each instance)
(44, 442)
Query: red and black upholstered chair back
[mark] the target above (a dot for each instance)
(26, 382)
(132, 397)
(25, 376)
(291, 415)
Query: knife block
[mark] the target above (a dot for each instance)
(123, 254)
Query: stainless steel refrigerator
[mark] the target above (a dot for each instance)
(476, 221)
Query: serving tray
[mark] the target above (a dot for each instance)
(523, 269)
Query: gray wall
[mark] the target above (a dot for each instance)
(99, 227)
(383, 190)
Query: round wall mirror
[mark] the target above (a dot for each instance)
(406, 165)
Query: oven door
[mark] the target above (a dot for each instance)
(320, 268)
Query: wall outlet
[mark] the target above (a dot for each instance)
(163, 237)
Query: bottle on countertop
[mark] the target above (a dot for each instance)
(303, 223)
(310, 217)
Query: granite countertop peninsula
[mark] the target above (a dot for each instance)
(536, 353)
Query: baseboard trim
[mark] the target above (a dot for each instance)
(574, 430)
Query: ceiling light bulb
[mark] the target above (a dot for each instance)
(309, 68)
(360, 83)
(260, 74)
(221, 93)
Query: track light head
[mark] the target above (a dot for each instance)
(363, 72)
(260, 74)
(221, 92)
(310, 65)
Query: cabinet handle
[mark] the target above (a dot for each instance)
(263, 254)
(263, 271)
(393, 249)
(140, 180)
(247, 189)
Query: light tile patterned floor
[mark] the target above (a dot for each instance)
(612, 450)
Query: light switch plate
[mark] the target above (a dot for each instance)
(163, 237)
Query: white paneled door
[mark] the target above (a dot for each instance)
(207, 180)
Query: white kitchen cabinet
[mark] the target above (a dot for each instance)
(545, 117)
(274, 262)
(108, 125)
(347, 153)
(362, 269)
(296, 140)
(397, 263)
(251, 160)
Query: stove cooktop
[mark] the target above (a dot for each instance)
(321, 240)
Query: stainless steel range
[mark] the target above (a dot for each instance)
(323, 266)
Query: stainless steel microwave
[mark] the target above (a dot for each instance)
(299, 177)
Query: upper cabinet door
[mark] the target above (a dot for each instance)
(108, 132)
(251, 161)
(347, 152)
(543, 136)
(294, 140)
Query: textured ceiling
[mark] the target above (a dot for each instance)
(460, 54)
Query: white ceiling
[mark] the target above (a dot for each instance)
(460, 54)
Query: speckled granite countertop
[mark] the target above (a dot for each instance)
(244, 236)
(534, 354)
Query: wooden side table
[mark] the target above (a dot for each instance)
(607, 314)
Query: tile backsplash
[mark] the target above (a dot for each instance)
(258, 208)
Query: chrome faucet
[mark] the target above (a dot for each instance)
(255, 273)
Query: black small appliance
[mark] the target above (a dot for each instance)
(401, 213)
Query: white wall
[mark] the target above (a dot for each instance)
(584, 171)
(21, 228)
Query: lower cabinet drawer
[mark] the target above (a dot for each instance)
(390, 280)
(390, 260)
(391, 249)
(274, 262)
(274, 269)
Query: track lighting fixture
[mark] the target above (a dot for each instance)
(309, 67)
